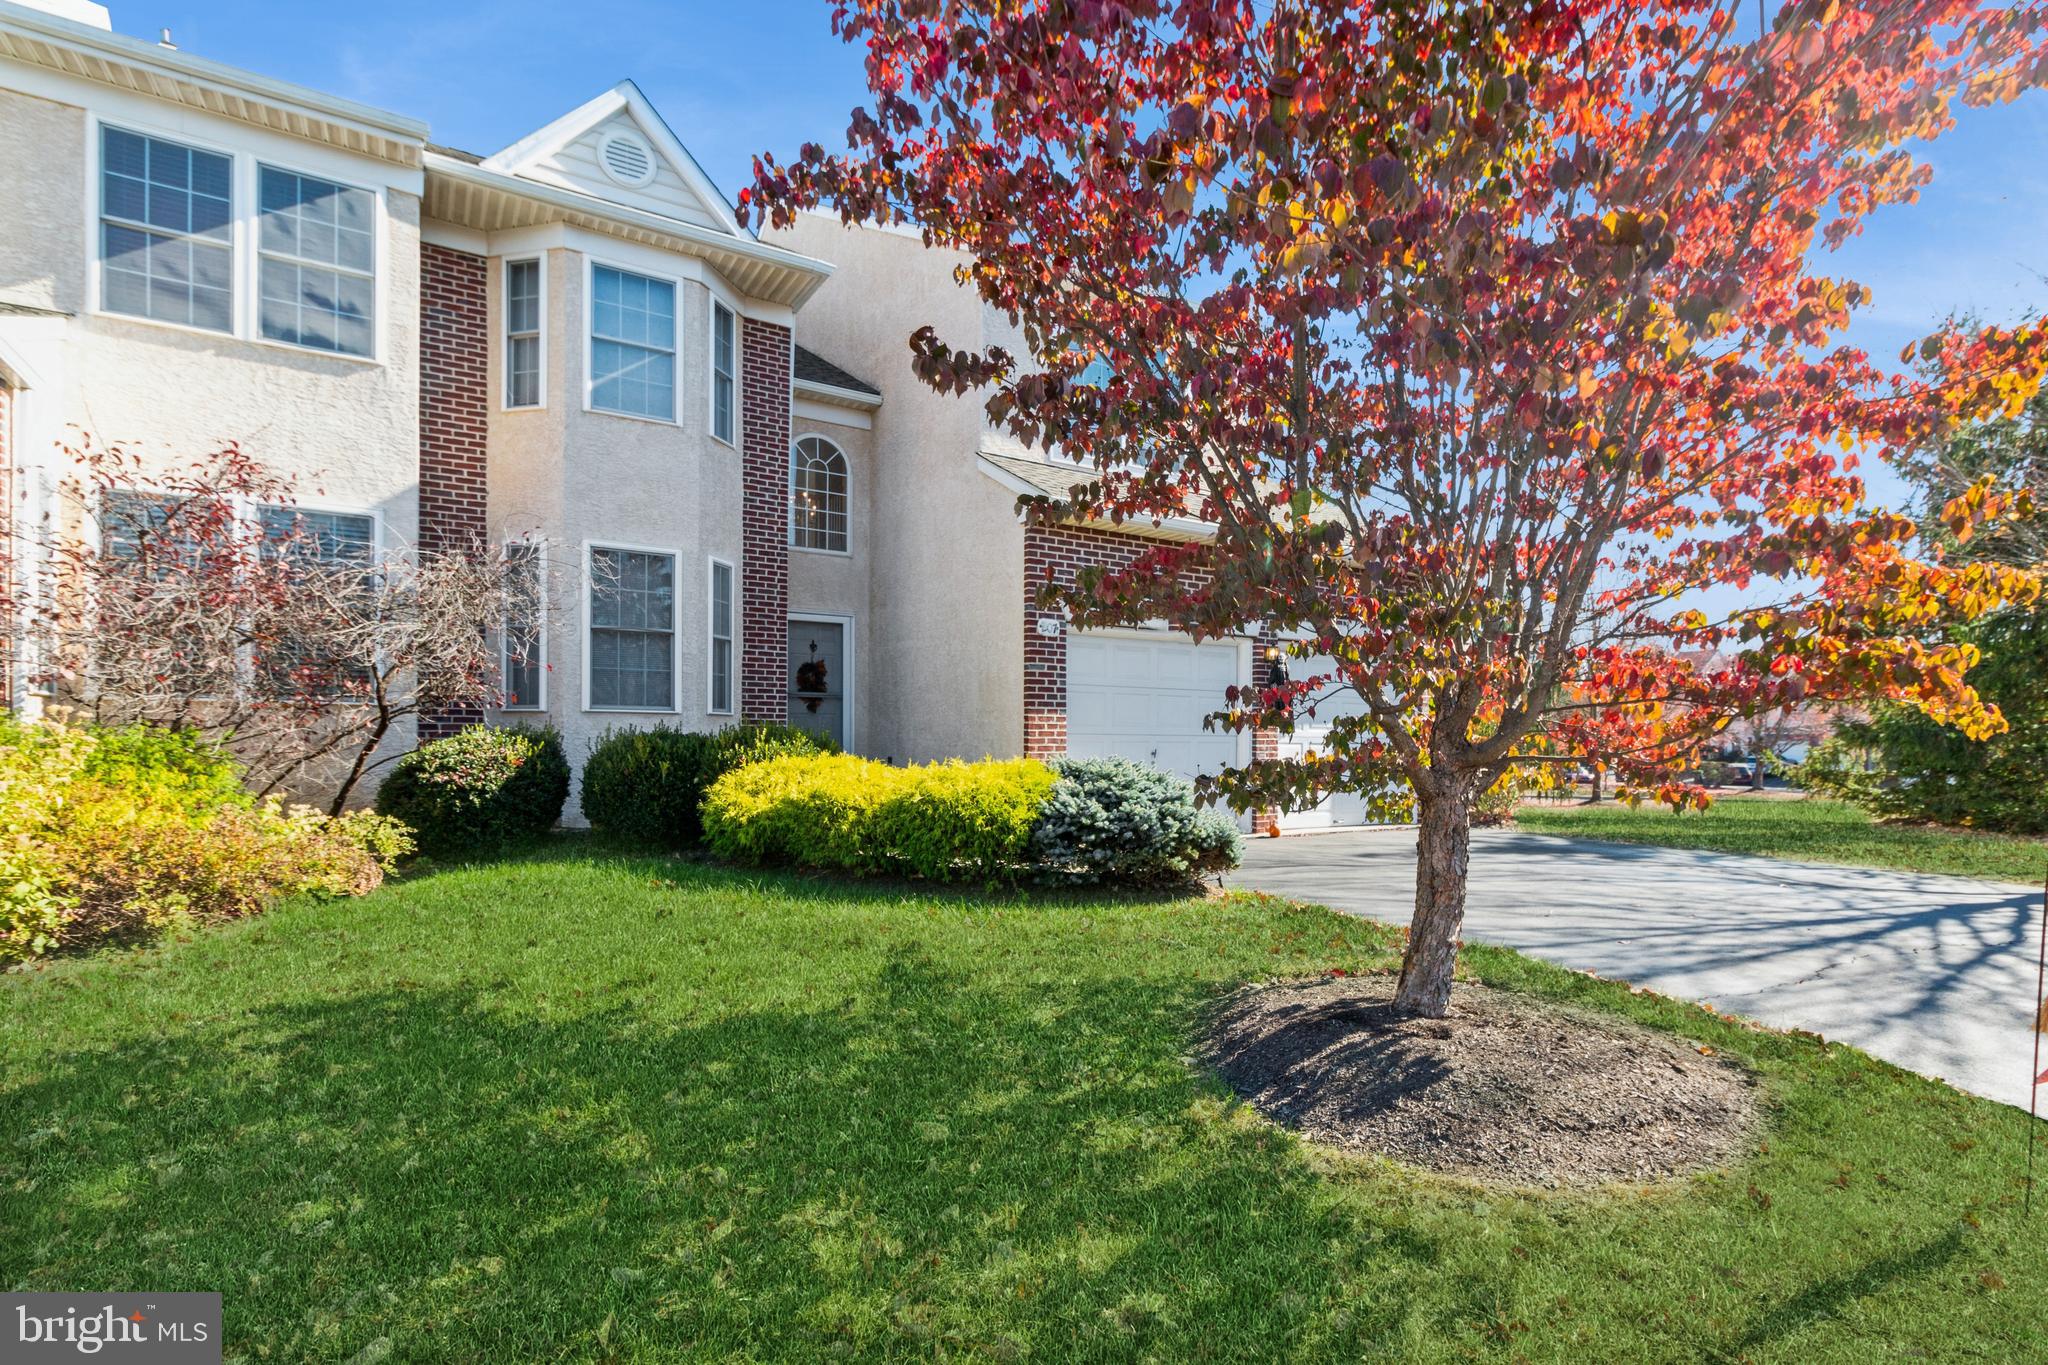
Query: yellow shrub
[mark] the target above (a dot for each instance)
(945, 821)
(118, 835)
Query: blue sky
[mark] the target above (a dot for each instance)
(734, 79)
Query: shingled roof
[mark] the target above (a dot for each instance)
(812, 368)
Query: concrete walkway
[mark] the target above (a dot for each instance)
(1933, 973)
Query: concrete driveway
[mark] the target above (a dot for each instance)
(1933, 973)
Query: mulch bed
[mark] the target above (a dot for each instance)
(1508, 1089)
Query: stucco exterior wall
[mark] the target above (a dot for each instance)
(947, 677)
(843, 585)
(344, 431)
(574, 478)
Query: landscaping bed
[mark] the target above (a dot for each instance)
(1505, 1089)
(579, 1106)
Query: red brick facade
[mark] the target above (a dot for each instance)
(1060, 551)
(764, 520)
(454, 419)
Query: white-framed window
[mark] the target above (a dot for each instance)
(331, 537)
(525, 300)
(166, 230)
(316, 249)
(630, 639)
(632, 344)
(129, 518)
(820, 512)
(522, 639)
(327, 537)
(723, 605)
(725, 370)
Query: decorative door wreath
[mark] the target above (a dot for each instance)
(810, 680)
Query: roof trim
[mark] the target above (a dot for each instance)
(801, 275)
(1158, 528)
(38, 38)
(545, 142)
(833, 393)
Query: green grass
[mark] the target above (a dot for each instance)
(1809, 829)
(593, 1108)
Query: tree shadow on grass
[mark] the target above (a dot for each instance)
(942, 1168)
(1826, 1298)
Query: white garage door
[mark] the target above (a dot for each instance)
(1338, 809)
(1133, 697)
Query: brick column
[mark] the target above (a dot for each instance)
(454, 421)
(1045, 655)
(764, 520)
(1265, 743)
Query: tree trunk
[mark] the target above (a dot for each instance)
(1443, 847)
(356, 769)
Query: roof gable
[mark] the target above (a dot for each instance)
(571, 153)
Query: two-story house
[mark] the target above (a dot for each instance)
(750, 507)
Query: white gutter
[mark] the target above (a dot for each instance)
(1170, 528)
(42, 27)
(573, 201)
(833, 393)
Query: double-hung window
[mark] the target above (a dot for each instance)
(325, 537)
(724, 371)
(632, 642)
(324, 542)
(166, 234)
(131, 520)
(317, 262)
(632, 344)
(721, 638)
(522, 334)
(520, 639)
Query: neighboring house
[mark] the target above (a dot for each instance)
(749, 506)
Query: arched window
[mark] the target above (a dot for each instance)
(818, 501)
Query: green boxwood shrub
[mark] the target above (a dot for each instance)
(646, 787)
(479, 790)
(1115, 820)
(949, 821)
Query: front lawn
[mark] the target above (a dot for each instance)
(1802, 828)
(594, 1108)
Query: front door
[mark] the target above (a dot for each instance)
(817, 678)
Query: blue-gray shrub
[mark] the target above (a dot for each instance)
(1115, 820)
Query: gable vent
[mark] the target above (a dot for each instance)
(627, 158)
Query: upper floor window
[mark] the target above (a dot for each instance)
(317, 250)
(724, 371)
(819, 514)
(632, 344)
(522, 334)
(166, 215)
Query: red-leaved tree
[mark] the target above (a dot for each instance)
(1488, 335)
(199, 596)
